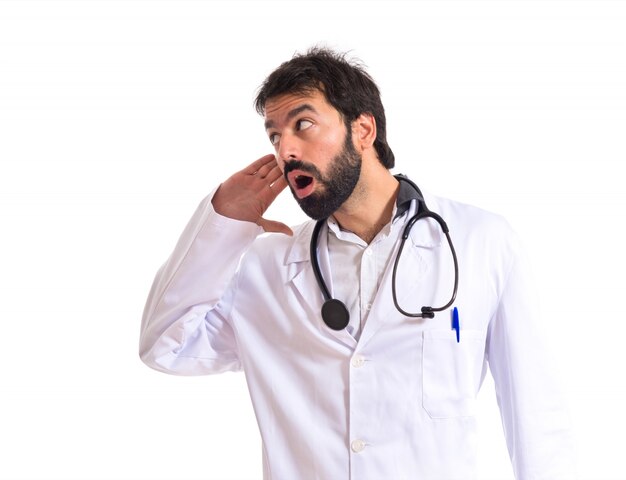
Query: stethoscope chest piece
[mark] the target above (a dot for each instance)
(335, 314)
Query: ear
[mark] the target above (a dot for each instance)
(364, 131)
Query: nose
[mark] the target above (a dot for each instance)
(288, 148)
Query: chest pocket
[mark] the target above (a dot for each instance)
(451, 372)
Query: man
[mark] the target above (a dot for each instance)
(390, 396)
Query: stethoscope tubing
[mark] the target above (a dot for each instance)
(426, 311)
(334, 312)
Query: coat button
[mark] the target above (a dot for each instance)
(357, 361)
(357, 446)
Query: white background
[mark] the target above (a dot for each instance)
(116, 118)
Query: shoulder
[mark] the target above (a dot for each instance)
(483, 236)
(461, 211)
(466, 219)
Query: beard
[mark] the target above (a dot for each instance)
(333, 189)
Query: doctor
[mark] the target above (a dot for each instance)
(389, 396)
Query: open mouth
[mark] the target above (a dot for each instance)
(301, 183)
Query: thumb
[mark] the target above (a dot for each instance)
(273, 226)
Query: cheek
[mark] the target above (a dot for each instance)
(329, 147)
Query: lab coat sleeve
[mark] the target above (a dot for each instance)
(185, 328)
(534, 416)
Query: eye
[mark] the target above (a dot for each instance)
(303, 124)
(274, 137)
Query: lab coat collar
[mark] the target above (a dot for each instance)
(299, 248)
(426, 233)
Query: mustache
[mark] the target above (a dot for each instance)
(305, 167)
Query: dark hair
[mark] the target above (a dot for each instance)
(345, 85)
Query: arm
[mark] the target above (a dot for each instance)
(533, 413)
(185, 327)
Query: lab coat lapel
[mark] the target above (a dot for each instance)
(300, 275)
(416, 265)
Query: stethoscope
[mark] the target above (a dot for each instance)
(334, 312)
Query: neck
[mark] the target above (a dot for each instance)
(370, 206)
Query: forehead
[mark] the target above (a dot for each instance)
(279, 107)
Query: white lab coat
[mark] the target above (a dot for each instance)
(397, 404)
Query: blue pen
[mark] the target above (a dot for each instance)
(455, 324)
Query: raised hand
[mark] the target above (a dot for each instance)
(247, 194)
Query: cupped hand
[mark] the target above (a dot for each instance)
(247, 194)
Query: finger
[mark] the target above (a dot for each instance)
(257, 164)
(271, 191)
(278, 185)
(265, 170)
(273, 226)
(274, 174)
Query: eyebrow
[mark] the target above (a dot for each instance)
(292, 113)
